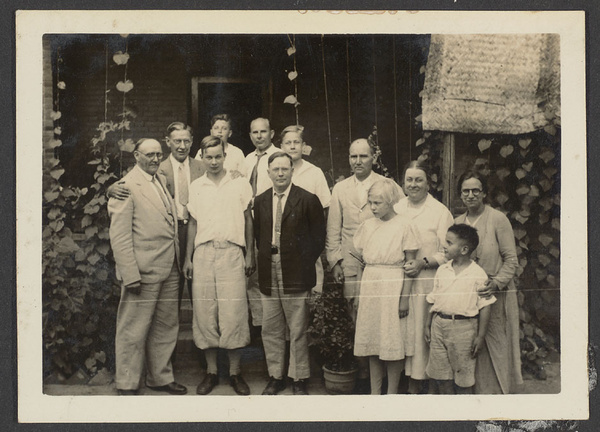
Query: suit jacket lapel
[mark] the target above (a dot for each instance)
(170, 177)
(290, 203)
(146, 188)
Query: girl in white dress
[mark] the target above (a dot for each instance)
(383, 332)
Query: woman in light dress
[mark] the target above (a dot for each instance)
(432, 220)
(384, 332)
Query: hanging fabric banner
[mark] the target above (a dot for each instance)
(505, 84)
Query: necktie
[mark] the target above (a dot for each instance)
(278, 215)
(182, 186)
(161, 194)
(254, 175)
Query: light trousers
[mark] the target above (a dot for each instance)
(147, 327)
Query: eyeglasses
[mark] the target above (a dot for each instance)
(180, 141)
(475, 192)
(158, 155)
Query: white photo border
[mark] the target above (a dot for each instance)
(34, 406)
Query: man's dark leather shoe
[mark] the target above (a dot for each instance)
(172, 388)
(208, 384)
(299, 387)
(239, 385)
(127, 392)
(274, 386)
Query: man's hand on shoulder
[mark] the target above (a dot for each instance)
(118, 191)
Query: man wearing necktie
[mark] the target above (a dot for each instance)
(143, 237)
(347, 210)
(289, 226)
(261, 135)
(179, 171)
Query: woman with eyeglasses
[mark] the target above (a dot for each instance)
(498, 367)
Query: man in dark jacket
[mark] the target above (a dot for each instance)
(290, 234)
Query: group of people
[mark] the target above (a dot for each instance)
(429, 295)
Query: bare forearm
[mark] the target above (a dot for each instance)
(484, 319)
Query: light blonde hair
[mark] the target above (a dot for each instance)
(387, 189)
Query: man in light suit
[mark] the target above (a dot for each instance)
(179, 138)
(143, 237)
(289, 227)
(347, 210)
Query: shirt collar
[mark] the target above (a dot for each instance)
(145, 174)
(286, 192)
(366, 182)
(176, 163)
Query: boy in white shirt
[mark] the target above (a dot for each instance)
(458, 316)
(220, 126)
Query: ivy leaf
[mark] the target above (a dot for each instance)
(91, 231)
(419, 142)
(80, 256)
(57, 225)
(550, 129)
(67, 246)
(520, 173)
(502, 173)
(544, 259)
(291, 99)
(56, 173)
(524, 143)
(554, 251)
(51, 195)
(527, 166)
(124, 86)
(547, 156)
(550, 171)
(53, 143)
(551, 280)
(291, 50)
(306, 150)
(545, 239)
(522, 189)
(86, 221)
(546, 203)
(121, 58)
(519, 233)
(61, 85)
(519, 217)
(93, 258)
(91, 209)
(57, 130)
(543, 218)
(534, 192)
(419, 118)
(506, 150)
(54, 213)
(501, 198)
(103, 248)
(126, 146)
(55, 115)
(556, 224)
(484, 144)
(292, 75)
(541, 274)
(546, 184)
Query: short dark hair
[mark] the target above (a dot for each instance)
(179, 126)
(278, 155)
(211, 141)
(217, 117)
(466, 233)
(417, 164)
(469, 174)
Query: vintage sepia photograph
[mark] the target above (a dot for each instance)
(343, 206)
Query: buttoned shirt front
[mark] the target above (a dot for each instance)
(219, 209)
(363, 186)
(456, 294)
(263, 181)
(186, 169)
(284, 198)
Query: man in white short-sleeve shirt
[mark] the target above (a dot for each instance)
(216, 263)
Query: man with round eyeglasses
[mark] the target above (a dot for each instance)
(143, 237)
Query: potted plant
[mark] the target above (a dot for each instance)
(331, 333)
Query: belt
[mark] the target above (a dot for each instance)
(182, 221)
(454, 317)
(220, 244)
(274, 250)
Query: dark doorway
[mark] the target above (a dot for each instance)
(241, 99)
